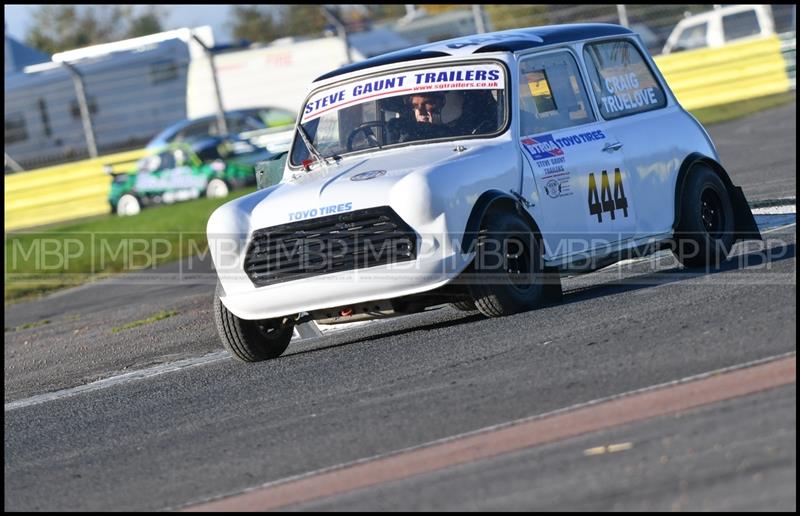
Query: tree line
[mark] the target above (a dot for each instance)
(56, 28)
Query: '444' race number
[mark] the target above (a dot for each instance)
(605, 202)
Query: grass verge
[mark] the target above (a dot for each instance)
(41, 261)
(141, 322)
(726, 112)
(30, 325)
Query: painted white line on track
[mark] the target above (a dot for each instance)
(142, 374)
(133, 376)
(775, 210)
(779, 228)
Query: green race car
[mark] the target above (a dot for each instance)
(181, 171)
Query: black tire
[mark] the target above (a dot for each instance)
(507, 271)
(705, 233)
(465, 306)
(251, 341)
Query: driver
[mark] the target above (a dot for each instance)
(424, 120)
(427, 107)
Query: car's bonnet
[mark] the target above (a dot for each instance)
(358, 179)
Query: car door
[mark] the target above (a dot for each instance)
(576, 165)
(651, 132)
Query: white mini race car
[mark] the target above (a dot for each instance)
(472, 171)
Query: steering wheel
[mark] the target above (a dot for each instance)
(487, 123)
(366, 129)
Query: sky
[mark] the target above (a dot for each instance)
(18, 19)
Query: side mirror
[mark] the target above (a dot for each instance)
(270, 172)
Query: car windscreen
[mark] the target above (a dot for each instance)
(403, 107)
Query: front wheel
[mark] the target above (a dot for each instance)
(128, 205)
(217, 188)
(251, 341)
(465, 306)
(507, 273)
(705, 232)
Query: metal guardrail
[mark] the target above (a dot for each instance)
(789, 51)
(60, 193)
(713, 76)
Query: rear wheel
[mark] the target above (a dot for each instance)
(508, 269)
(251, 341)
(705, 232)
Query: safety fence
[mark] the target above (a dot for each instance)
(60, 193)
(789, 51)
(709, 77)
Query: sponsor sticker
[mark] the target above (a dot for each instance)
(542, 147)
(627, 94)
(553, 188)
(461, 77)
(557, 185)
(181, 177)
(549, 156)
(322, 210)
(546, 147)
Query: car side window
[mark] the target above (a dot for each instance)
(209, 153)
(740, 25)
(232, 123)
(621, 80)
(278, 117)
(196, 129)
(250, 123)
(164, 161)
(552, 95)
(693, 36)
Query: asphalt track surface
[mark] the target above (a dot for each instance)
(212, 426)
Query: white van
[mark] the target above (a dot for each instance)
(721, 26)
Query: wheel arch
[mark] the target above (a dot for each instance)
(488, 201)
(745, 226)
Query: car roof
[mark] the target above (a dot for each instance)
(722, 11)
(170, 130)
(207, 118)
(513, 40)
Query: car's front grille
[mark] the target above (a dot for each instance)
(342, 242)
